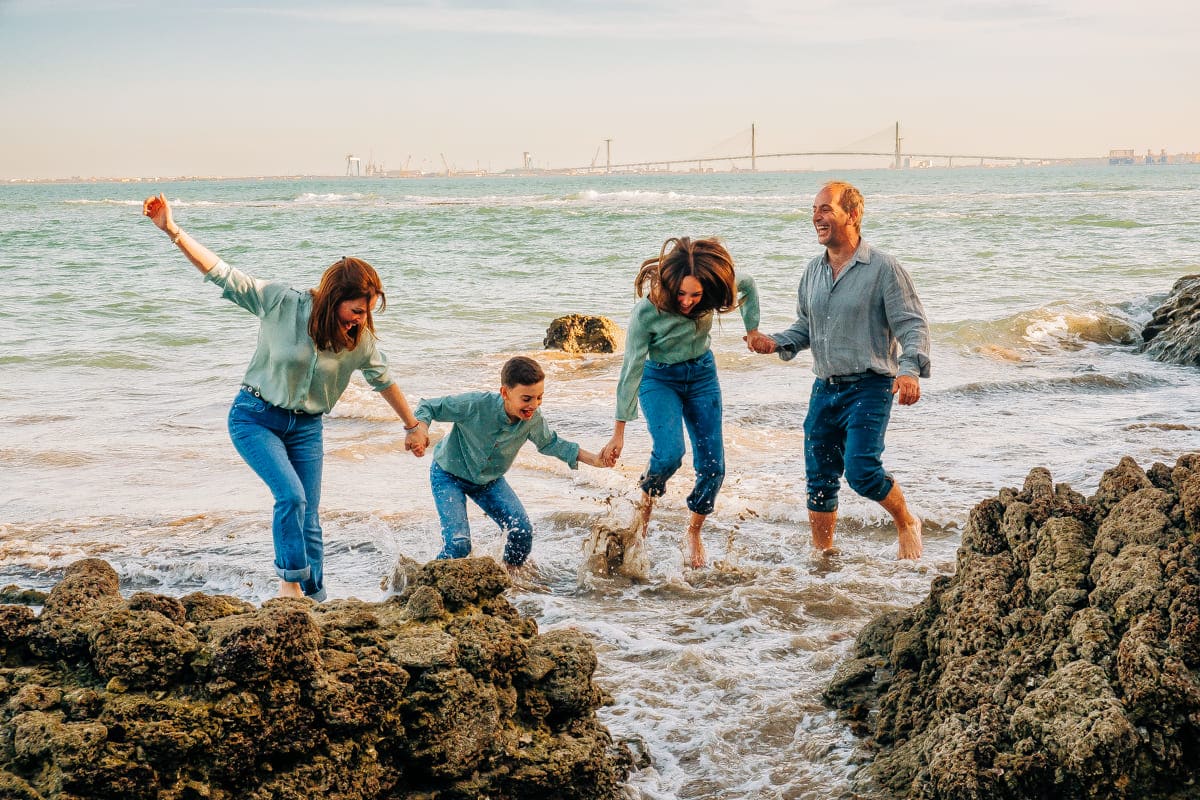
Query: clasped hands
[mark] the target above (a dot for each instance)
(760, 342)
(417, 440)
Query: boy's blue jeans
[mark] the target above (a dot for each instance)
(673, 396)
(286, 450)
(498, 501)
(843, 432)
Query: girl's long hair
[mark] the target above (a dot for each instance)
(348, 279)
(706, 260)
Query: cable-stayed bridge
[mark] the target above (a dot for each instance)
(886, 143)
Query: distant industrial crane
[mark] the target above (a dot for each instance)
(596, 156)
(353, 165)
(444, 164)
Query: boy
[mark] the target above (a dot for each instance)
(471, 460)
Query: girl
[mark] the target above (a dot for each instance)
(670, 369)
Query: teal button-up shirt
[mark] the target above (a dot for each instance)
(868, 320)
(669, 338)
(484, 442)
(287, 368)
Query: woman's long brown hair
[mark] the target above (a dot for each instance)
(348, 279)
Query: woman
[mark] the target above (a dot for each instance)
(670, 369)
(309, 344)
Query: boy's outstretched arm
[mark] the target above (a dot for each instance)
(594, 460)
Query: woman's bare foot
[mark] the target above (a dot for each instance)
(910, 539)
(290, 589)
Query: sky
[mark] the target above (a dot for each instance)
(113, 88)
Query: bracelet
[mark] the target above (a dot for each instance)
(413, 428)
(175, 239)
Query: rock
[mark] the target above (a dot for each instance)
(13, 594)
(1173, 333)
(582, 333)
(1062, 659)
(209, 697)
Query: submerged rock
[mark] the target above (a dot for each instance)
(1173, 333)
(1062, 659)
(442, 691)
(582, 333)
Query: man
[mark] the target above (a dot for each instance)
(860, 315)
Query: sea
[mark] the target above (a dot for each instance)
(118, 365)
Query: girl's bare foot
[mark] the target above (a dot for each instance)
(641, 516)
(696, 555)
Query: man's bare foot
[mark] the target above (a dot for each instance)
(910, 539)
(290, 589)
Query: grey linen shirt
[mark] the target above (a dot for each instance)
(869, 319)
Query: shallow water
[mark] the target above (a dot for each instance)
(119, 364)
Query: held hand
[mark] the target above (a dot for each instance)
(759, 342)
(159, 211)
(593, 460)
(417, 440)
(907, 389)
(612, 450)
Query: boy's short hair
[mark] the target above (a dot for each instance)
(521, 371)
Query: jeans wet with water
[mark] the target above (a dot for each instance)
(498, 501)
(843, 433)
(675, 396)
(286, 451)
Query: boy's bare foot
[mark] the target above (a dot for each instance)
(290, 589)
(910, 539)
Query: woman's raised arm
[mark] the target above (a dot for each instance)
(159, 211)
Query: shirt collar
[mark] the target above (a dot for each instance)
(501, 415)
(861, 254)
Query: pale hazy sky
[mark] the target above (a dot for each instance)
(174, 87)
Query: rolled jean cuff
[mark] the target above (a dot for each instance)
(318, 596)
(823, 506)
(653, 485)
(294, 575)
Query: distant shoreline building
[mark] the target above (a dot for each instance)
(1126, 157)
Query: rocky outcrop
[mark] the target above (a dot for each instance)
(1061, 660)
(581, 333)
(1173, 333)
(443, 691)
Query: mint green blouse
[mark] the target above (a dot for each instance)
(484, 442)
(669, 338)
(287, 368)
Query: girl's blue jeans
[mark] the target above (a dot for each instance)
(498, 501)
(844, 432)
(285, 449)
(675, 396)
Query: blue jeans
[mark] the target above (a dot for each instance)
(498, 501)
(286, 450)
(673, 396)
(843, 432)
